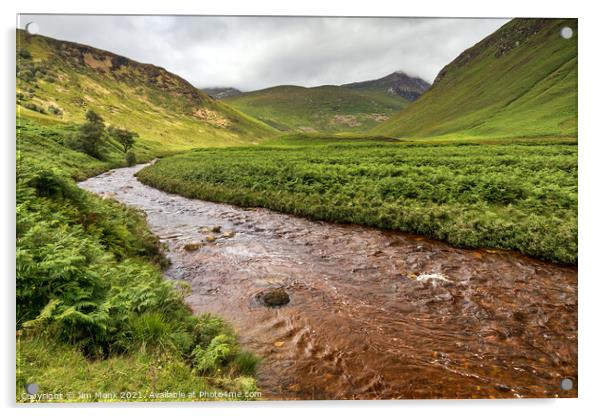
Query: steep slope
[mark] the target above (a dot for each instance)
(519, 81)
(57, 81)
(395, 84)
(219, 92)
(328, 108)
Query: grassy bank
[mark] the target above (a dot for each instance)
(513, 195)
(94, 314)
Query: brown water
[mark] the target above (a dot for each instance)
(360, 324)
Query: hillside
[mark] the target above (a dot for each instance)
(326, 108)
(519, 81)
(396, 84)
(58, 81)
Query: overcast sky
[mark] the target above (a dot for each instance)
(257, 52)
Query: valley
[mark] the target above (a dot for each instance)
(412, 240)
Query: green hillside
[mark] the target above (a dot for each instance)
(521, 81)
(58, 81)
(327, 108)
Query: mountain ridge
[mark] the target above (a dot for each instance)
(397, 83)
(520, 81)
(221, 92)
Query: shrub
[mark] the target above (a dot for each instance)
(130, 158)
(24, 54)
(34, 107)
(55, 110)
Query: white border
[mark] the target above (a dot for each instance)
(590, 138)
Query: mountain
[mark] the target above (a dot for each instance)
(221, 92)
(521, 81)
(58, 81)
(327, 108)
(395, 84)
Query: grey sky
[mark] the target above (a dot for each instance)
(257, 52)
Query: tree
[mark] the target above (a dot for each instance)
(125, 137)
(89, 136)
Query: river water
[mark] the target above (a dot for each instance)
(365, 320)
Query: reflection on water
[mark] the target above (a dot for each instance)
(363, 321)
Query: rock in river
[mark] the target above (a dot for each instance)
(274, 297)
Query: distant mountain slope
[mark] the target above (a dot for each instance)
(328, 108)
(519, 81)
(58, 81)
(395, 84)
(219, 92)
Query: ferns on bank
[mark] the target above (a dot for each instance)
(89, 275)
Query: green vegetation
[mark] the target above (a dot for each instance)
(89, 285)
(518, 195)
(40, 142)
(520, 81)
(90, 290)
(328, 108)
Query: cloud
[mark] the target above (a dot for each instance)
(257, 52)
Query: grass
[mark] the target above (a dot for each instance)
(59, 369)
(327, 108)
(511, 195)
(519, 82)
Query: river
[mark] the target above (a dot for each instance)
(370, 314)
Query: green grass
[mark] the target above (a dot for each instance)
(327, 108)
(60, 369)
(510, 195)
(509, 85)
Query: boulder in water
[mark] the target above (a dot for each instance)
(192, 246)
(274, 297)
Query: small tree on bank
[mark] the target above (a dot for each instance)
(125, 137)
(89, 136)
